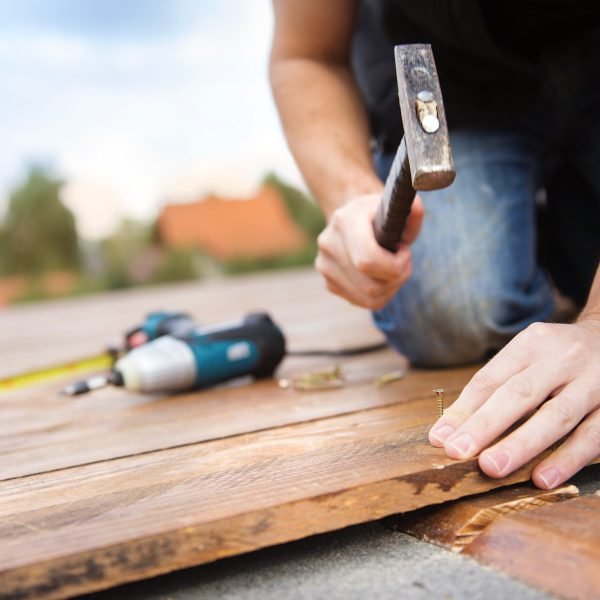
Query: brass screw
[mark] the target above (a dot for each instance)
(439, 393)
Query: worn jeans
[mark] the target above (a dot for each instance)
(524, 209)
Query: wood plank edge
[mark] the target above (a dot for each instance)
(456, 524)
(193, 545)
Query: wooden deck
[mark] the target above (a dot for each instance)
(111, 487)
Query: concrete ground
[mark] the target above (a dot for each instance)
(362, 562)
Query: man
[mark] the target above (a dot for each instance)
(521, 85)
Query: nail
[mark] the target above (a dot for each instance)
(550, 477)
(442, 432)
(498, 460)
(463, 445)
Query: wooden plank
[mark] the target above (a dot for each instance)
(555, 547)
(48, 432)
(455, 525)
(95, 526)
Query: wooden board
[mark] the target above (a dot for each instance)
(455, 525)
(555, 547)
(44, 433)
(90, 527)
(112, 487)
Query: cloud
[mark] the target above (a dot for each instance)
(143, 117)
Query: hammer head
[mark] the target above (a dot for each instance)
(423, 118)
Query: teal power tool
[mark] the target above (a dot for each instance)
(198, 357)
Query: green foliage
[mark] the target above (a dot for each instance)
(131, 257)
(120, 250)
(301, 209)
(177, 265)
(304, 256)
(39, 231)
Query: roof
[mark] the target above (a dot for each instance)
(226, 228)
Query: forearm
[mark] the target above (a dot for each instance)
(326, 128)
(592, 308)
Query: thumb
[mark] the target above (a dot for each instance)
(414, 221)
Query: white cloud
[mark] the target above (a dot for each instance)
(144, 120)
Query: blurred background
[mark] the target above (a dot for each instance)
(140, 145)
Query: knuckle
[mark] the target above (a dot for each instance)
(482, 381)
(575, 351)
(365, 264)
(521, 386)
(337, 220)
(323, 242)
(562, 411)
(537, 331)
(591, 432)
(485, 425)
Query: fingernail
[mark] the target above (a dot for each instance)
(463, 445)
(498, 460)
(442, 432)
(550, 477)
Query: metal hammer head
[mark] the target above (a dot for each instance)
(423, 118)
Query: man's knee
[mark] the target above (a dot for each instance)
(450, 336)
(456, 326)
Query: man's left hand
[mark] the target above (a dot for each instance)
(549, 373)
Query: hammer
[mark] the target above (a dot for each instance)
(424, 159)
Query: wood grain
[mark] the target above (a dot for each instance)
(555, 547)
(455, 525)
(98, 525)
(47, 432)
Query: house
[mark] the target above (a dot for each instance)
(256, 227)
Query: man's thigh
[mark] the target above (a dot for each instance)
(476, 281)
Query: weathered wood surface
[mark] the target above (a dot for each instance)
(90, 527)
(455, 525)
(555, 547)
(38, 434)
(112, 487)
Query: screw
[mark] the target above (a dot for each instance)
(439, 393)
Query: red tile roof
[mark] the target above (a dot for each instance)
(258, 227)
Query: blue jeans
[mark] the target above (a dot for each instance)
(477, 278)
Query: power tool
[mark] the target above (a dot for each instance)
(199, 357)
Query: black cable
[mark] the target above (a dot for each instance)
(342, 352)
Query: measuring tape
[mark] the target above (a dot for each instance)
(91, 363)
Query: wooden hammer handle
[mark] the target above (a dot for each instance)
(396, 202)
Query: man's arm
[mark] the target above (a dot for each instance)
(326, 127)
(320, 107)
(551, 369)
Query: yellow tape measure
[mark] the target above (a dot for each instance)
(91, 363)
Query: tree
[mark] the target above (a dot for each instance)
(304, 211)
(39, 230)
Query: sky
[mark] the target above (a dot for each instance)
(138, 102)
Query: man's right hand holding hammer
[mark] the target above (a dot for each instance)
(327, 129)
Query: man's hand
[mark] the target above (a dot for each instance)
(353, 264)
(549, 373)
